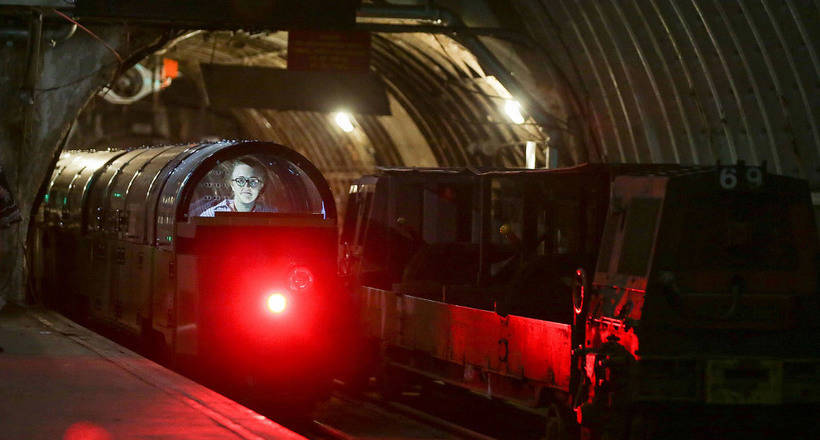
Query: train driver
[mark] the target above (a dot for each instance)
(247, 182)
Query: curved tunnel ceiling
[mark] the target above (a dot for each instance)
(445, 110)
(695, 81)
(660, 81)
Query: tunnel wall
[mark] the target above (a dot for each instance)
(36, 118)
(694, 82)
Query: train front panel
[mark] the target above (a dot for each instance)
(259, 299)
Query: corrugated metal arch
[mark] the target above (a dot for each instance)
(696, 81)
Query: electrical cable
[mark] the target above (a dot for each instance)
(136, 55)
(77, 80)
(119, 58)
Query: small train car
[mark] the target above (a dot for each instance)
(222, 255)
(621, 301)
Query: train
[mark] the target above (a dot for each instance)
(619, 301)
(219, 256)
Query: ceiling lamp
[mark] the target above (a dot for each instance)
(344, 121)
(513, 109)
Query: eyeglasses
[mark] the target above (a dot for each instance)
(253, 182)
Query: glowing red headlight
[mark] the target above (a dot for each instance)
(300, 278)
(277, 303)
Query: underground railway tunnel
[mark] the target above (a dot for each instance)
(695, 82)
(483, 84)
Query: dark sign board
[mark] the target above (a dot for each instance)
(265, 87)
(329, 50)
(226, 14)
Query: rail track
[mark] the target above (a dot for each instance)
(347, 417)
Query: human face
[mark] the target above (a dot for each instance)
(245, 196)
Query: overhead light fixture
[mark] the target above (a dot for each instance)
(344, 121)
(513, 109)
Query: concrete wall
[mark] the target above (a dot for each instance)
(35, 119)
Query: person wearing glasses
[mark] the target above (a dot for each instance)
(247, 181)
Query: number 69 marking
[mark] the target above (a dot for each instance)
(754, 176)
(728, 178)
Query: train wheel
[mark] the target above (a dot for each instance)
(556, 426)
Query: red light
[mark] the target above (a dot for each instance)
(277, 303)
(301, 278)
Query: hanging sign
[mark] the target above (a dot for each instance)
(329, 51)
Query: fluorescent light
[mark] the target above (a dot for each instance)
(344, 121)
(530, 154)
(513, 109)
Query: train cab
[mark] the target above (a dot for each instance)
(221, 254)
(709, 283)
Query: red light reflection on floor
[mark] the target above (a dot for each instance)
(86, 431)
